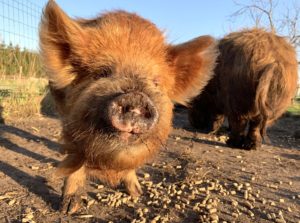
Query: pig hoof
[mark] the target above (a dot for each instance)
(249, 144)
(134, 189)
(70, 204)
(234, 143)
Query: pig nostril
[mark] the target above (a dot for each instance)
(148, 114)
(125, 109)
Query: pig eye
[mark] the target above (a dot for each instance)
(102, 73)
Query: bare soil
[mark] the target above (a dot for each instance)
(195, 178)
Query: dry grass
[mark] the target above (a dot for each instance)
(21, 97)
(22, 86)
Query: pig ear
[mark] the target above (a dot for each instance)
(60, 36)
(193, 63)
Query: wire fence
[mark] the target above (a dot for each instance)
(19, 21)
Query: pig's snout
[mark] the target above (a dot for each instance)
(132, 112)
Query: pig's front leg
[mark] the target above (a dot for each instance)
(132, 184)
(72, 191)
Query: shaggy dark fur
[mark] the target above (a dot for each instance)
(255, 81)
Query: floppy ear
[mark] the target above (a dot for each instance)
(60, 39)
(193, 63)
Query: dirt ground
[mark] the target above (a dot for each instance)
(195, 178)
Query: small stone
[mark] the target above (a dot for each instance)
(251, 213)
(202, 189)
(12, 202)
(177, 206)
(209, 206)
(212, 211)
(214, 217)
(273, 186)
(198, 182)
(280, 220)
(234, 203)
(156, 218)
(273, 215)
(34, 167)
(269, 216)
(146, 175)
(100, 187)
(246, 195)
(91, 202)
(29, 216)
(281, 200)
(249, 205)
(179, 192)
(85, 216)
(235, 215)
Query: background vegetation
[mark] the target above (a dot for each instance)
(22, 82)
(19, 63)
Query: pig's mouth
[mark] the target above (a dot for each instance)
(129, 138)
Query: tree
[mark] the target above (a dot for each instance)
(262, 14)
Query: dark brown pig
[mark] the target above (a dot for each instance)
(255, 81)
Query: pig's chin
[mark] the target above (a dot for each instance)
(118, 151)
(128, 138)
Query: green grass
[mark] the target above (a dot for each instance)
(15, 62)
(294, 109)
